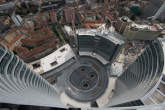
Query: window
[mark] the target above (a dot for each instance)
(62, 50)
(54, 63)
(36, 65)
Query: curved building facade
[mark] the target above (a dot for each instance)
(20, 85)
